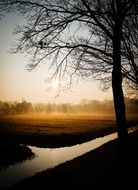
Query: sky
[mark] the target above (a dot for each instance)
(17, 83)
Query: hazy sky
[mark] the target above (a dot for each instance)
(16, 83)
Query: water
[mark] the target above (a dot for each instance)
(48, 158)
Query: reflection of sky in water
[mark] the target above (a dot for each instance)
(47, 158)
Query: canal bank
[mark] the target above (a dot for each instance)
(105, 167)
(48, 158)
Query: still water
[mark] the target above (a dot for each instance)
(48, 158)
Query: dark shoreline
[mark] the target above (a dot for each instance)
(16, 152)
(105, 167)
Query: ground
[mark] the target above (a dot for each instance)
(56, 130)
(12, 153)
(103, 168)
(106, 167)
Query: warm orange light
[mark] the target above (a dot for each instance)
(55, 85)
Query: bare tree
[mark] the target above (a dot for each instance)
(86, 38)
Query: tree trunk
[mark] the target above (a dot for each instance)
(119, 103)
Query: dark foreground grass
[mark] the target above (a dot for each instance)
(11, 153)
(103, 168)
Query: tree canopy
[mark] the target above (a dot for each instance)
(77, 36)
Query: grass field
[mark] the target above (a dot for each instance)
(56, 130)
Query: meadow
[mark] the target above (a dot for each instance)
(57, 130)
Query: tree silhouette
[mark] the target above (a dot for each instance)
(86, 38)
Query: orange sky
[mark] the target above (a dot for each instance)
(16, 83)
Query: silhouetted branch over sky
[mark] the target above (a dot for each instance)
(97, 39)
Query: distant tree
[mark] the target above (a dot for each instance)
(64, 108)
(88, 38)
(108, 106)
(6, 107)
(49, 108)
(27, 107)
(39, 107)
(131, 105)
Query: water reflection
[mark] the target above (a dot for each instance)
(47, 158)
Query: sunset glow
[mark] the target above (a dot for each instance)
(16, 83)
(68, 94)
(55, 85)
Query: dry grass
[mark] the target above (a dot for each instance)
(56, 130)
(54, 124)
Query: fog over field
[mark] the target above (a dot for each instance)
(86, 107)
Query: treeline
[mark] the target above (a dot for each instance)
(85, 106)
